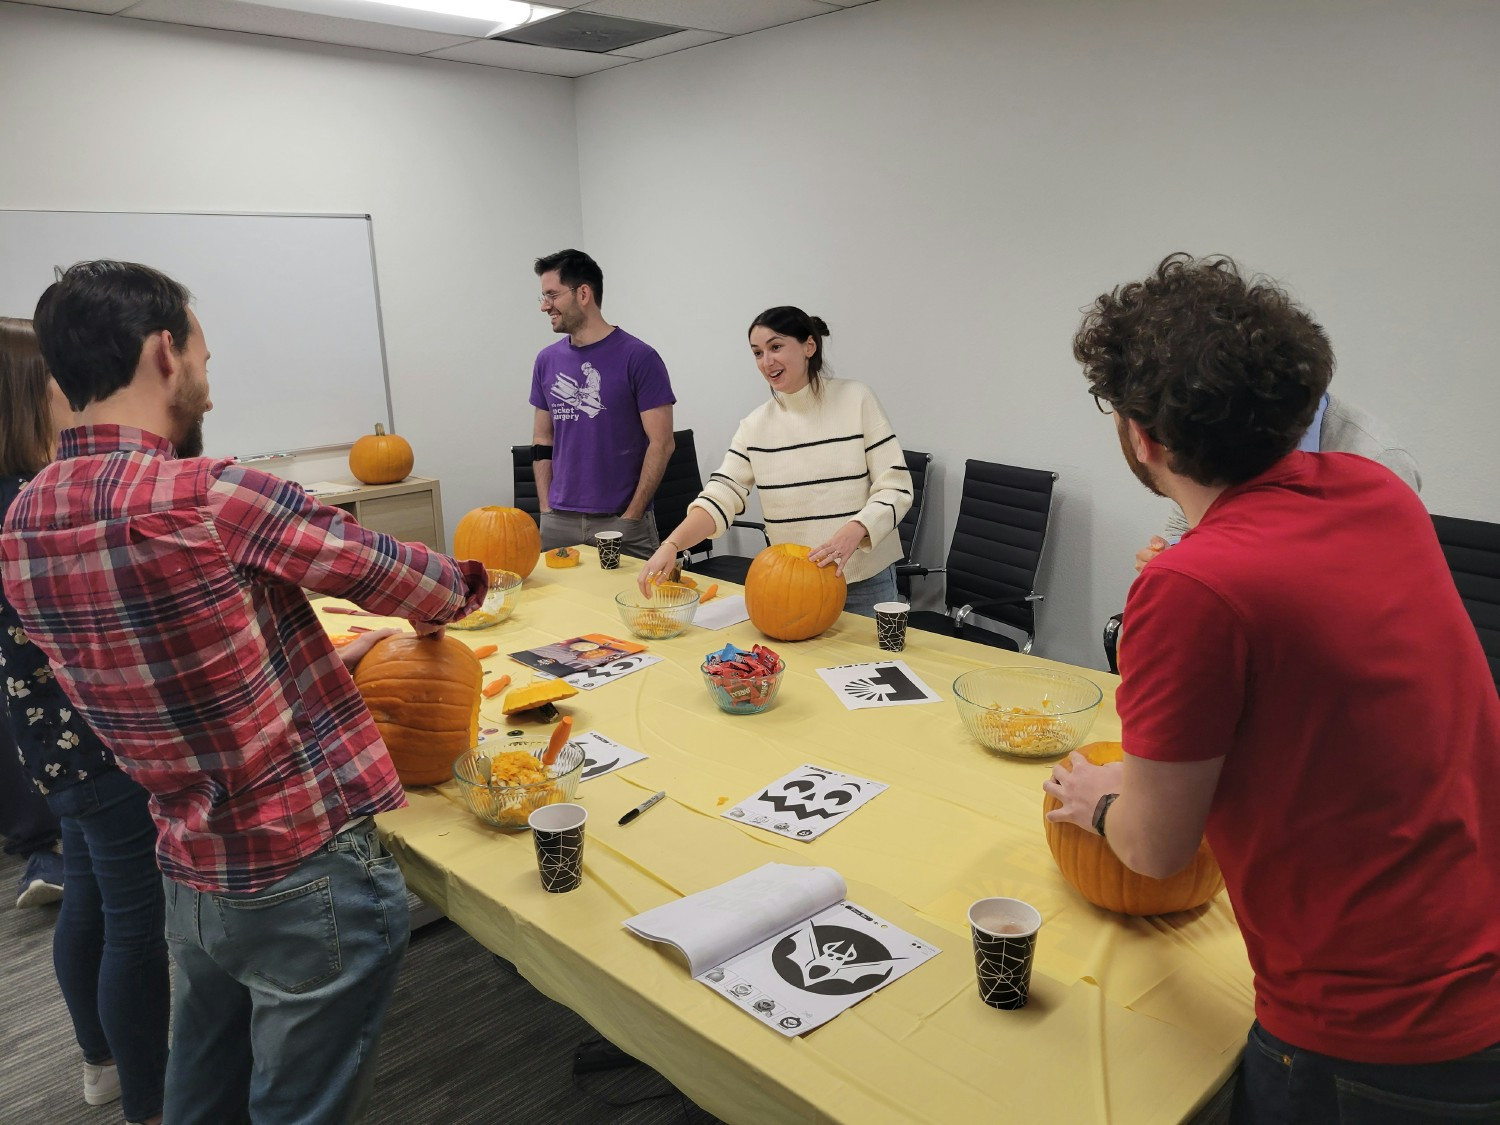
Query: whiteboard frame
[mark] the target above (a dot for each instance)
(385, 370)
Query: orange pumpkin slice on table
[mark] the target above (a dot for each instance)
(535, 695)
(562, 557)
(1090, 865)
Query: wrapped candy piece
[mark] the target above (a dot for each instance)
(745, 678)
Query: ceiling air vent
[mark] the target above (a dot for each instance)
(586, 31)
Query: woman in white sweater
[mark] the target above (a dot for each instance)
(831, 473)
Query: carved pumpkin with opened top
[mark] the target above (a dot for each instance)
(1088, 863)
(423, 694)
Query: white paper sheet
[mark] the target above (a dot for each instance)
(886, 683)
(722, 613)
(603, 755)
(712, 926)
(800, 979)
(806, 802)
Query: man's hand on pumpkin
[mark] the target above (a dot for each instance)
(353, 652)
(1078, 790)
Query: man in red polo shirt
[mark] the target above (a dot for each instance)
(1303, 683)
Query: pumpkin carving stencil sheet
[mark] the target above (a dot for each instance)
(889, 683)
(806, 802)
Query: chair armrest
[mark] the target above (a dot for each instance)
(983, 608)
(916, 570)
(757, 525)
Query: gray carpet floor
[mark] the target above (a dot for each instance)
(466, 1041)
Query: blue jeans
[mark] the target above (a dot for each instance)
(280, 993)
(107, 949)
(867, 593)
(1284, 1085)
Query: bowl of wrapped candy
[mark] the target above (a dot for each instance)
(667, 612)
(1027, 712)
(503, 782)
(499, 603)
(743, 683)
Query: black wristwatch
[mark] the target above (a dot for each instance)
(1101, 809)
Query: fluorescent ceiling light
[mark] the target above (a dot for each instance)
(477, 18)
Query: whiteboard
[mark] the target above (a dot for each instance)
(289, 305)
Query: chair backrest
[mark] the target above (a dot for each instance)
(524, 478)
(916, 464)
(1472, 548)
(680, 484)
(997, 541)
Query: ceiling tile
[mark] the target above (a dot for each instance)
(519, 56)
(669, 43)
(236, 15)
(736, 17)
(107, 7)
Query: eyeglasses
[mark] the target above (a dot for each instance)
(549, 298)
(1102, 405)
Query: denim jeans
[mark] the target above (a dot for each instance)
(866, 594)
(1285, 1085)
(107, 948)
(280, 993)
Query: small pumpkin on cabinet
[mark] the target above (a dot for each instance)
(381, 458)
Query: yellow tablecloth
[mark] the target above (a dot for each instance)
(1130, 1020)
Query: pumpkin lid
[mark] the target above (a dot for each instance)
(535, 694)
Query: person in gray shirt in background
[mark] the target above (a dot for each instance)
(1338, 427)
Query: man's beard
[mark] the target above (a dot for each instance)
(191, 443)
(187, 412)
(1142, 473)
(569, 322)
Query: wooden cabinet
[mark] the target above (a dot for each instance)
(411, 510)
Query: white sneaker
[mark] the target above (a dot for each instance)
(101, 1084)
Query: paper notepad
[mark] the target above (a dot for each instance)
(783, 944)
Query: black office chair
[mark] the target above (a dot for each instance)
(680, 483)
(917, 465)
(1472, 548)
(1112, 642)
(524, 482)
(994, 556)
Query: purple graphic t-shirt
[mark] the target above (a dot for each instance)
(596, 394)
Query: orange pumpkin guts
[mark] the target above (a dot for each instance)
(424, 696)
(790, 598)
(1086, 861)
(380, 458)
(500, 538)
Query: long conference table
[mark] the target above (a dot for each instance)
(1129, 1020)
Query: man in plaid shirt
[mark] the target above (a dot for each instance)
(166, 590)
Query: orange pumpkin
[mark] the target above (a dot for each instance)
(790, 598)
(380, 458)
(503, 538)
(1088, 863)
(424, 696)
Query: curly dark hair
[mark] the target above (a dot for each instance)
(1225, 373)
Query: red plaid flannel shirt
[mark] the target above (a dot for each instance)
(167, 594)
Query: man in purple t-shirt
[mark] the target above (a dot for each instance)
(603, 429)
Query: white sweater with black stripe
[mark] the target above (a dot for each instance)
(820, 460)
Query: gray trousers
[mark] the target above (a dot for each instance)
(568, 529)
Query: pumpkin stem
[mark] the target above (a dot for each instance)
(379, 429)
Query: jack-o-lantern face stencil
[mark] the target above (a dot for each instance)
(806, 802)
(815, 793)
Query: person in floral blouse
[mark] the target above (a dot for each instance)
(109, 945)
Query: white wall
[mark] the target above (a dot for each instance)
(468, 173)
(948, 182)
